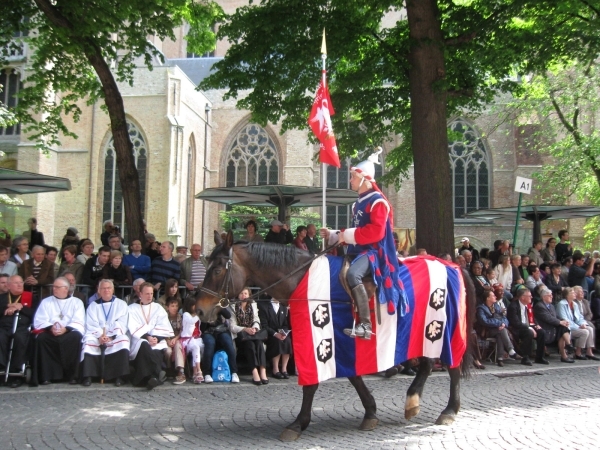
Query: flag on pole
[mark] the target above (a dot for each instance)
(320, 119)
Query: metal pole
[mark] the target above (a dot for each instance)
(323, 165)
(517, 221)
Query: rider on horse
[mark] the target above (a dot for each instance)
(371, 243)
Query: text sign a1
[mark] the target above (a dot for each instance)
(523, 185)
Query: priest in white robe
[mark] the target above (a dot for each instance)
(105, 350)
(59, 324)
(149, 327)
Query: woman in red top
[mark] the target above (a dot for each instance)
(300, 235)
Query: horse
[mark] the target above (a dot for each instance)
(233, 265)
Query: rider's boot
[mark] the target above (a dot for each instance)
(361, 300)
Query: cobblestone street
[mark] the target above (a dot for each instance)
(556, 406)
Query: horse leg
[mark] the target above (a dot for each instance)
(293, 431)
(370, 420)
(449, 414)
(415, 391)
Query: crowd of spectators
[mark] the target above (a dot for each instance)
(533, 301)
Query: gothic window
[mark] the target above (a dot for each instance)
(10, 80)
(112, 208)
(252, 158)
(339, 217)
(470, 165)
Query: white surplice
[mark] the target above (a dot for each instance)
(109, 318)
(155, 322)
(51, 308)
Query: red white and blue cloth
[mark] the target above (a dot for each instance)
(434, 324)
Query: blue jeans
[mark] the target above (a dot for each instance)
(224, 342)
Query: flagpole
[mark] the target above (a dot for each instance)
(323, 165)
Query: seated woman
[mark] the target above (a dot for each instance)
(545, 271)
(494, 324)
(300, 235)
(481, 283)
(116, 271)
(581, 332)
(174, 353)
(274, 318)
(171, 292)
(85, 251)
(534, 281)
(214, 333)
(245, 318)
(191, 341)
(70, 263)
(105, 325)
(504, 275)
(554, 328)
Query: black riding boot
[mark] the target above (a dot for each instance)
(361, 300)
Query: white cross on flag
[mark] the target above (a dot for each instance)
(320, 122)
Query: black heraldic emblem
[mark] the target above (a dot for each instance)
(437, 300)
(321, 316)
(325, 350)
(434, 330)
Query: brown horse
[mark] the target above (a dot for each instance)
(280, 268)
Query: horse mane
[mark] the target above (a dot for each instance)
(268, 255)
(265, 254)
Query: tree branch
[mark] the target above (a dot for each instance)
(596, 10)
(455, 93)
(462, 39)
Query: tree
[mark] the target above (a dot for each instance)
(74, 44)
(561, 106)
(438, 58)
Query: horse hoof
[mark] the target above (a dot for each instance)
(412, 412)
(368, 424)
(445, 419)
(288, 435)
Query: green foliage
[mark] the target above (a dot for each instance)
(60, 74)
(562, 101)
(273, 65)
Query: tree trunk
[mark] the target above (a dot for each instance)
(433, 183)
(128, 174)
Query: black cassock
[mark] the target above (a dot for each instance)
(19, 355)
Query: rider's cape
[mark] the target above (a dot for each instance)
(434, 325)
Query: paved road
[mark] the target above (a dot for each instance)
(559, 408)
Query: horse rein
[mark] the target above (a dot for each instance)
(225, 301)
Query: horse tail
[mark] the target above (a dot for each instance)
(467, 361)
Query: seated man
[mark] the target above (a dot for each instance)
(554, 328)
(105, 326)
(93, 268)
(4, 283)
(134, 297)
(139, 264)
(523, 325)
(59, 324)
(149, 327)
(73, 288)
(37, 272)
(11, 302)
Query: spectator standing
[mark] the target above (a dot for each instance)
(535, 254)
(563, 248)
(274, 319)
(251, 232)
(165, 266)
(108, 230)
(193, 269)
(577, 273)
(279, 233)
(311, 240)
(33, 236)
(70, 238)
(71, 264)
(466, 245)
(5, 240)
(300, 235)
(139, 265)
(6, 266)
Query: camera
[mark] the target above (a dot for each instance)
(117, 229)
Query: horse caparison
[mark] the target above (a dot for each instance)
(260, 264)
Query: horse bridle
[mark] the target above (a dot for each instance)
(225, 301)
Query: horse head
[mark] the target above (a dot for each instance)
(223, 280)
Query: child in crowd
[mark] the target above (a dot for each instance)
(191, 341)
(174, 352)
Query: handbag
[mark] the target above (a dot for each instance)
(260, 335)
(221, 328)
